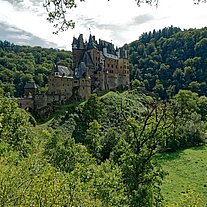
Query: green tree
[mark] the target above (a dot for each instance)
(62, 152)
(15, 127)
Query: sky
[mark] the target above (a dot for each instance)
(24, 22)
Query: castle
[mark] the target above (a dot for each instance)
(97, 66)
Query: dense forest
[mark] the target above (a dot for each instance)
(105, 151)
(22, 64)
(170, 59)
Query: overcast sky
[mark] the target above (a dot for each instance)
(119, 21)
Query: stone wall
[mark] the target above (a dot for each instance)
(26, 103)
(40, 101)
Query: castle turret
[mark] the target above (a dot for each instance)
(123, 67)
(78, 49)
(75, 43)
(91, 43)
(80, 43)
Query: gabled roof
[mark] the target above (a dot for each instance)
(62, 70)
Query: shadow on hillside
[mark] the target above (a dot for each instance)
(169, 156)
(201, 147)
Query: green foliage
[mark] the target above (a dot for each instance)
(63, 153)
(94, 138)
(15, 127)
(97, 153)
(21, 64)
(187, 128)
(170, 59)
(125, 128)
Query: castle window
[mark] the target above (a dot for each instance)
(65, 90)
(83, 88)
(112, 66)
(75, 81)
(108, 65)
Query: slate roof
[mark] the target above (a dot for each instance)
(81, 71)
(91, 43)
(75, 42)
(62, 70)
(87, 59)
(108, 45)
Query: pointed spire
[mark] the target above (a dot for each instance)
(74, 43)
(80, 43)
(91, 42)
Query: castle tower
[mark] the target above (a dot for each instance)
(123, 67)
(78, 49)
(108, 66)
(92, 48)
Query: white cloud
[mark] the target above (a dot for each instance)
(120, 21)
(20, 37)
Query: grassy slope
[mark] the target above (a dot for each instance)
(187, 170)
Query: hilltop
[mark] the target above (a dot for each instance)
(170, 59)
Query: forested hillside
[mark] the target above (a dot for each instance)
(163, 61)
(108, 151)
(97, 153)
(170, 59)
(21, 64)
